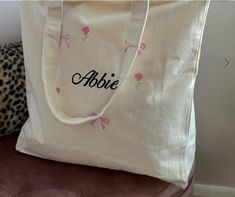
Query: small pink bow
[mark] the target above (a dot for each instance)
(142, 46)
(65, 38)
(103, 120)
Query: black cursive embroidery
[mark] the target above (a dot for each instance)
(91, 80)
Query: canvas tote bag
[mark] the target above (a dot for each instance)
(110, 83)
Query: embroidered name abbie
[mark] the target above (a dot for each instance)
(91, 80)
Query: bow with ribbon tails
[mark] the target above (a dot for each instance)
(103, 120)
(65, 38)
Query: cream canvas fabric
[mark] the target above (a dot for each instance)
(110, 84)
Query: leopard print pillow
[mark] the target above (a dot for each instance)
(13, 108)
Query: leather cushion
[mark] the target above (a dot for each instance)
(26, 176)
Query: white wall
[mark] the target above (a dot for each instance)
(214, 94)
(9, 22)
(215, 98)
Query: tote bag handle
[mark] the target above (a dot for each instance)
(50, 56)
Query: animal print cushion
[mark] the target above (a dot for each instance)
(13, 109)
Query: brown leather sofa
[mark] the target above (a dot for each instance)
(26, 176)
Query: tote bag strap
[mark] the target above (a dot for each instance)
(51, 49)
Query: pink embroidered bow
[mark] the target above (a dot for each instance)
(142, 46)
(65, 38)
(103, 120)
